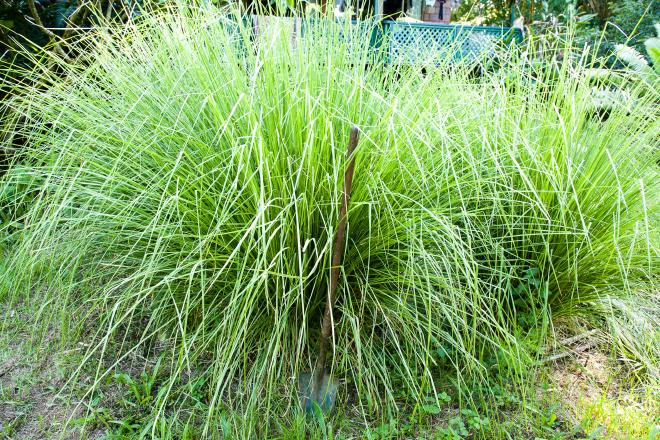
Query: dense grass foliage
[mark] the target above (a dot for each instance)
(180, 188)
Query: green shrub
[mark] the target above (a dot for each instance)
(185, 181)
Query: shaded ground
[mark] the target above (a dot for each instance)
(29, 382)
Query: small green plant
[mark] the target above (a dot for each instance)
(548, 419)
(456, 430)
(475, 422)
(433, 404)
(142, 389)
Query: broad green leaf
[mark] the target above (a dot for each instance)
(653, 50)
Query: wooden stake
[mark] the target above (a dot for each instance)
(338, 251)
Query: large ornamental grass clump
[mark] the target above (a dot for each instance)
(181, 184)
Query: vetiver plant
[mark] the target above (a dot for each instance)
(185, 180)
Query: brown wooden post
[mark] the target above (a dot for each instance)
(338, 252)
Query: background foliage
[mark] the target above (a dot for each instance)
(619, 20)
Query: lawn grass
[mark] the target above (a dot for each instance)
(177, 197)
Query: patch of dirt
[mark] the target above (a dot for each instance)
(592, 392)
(586, 376)
(39, 398)
(29, 384)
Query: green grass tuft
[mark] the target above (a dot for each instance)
(183, 192)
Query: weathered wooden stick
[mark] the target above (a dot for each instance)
(571, 352)
(573, 339)
(36, 20)
(338, 251)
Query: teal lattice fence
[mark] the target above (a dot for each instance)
(410, 42)
(433, 43)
